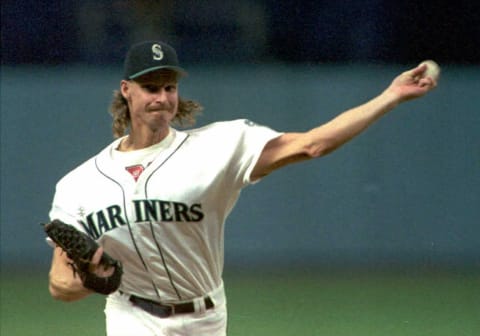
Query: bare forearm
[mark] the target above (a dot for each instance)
(64, 284)
(327, 137)
(409, 85)
(64, 291)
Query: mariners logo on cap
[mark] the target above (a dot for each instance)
(157, 52)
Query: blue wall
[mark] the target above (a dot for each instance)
(406, 192)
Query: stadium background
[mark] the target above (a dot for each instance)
(381, 237)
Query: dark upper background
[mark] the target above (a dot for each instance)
(219, 31)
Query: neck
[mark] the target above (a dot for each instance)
(138, 140)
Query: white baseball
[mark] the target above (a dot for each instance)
(433, 69)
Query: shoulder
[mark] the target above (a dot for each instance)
(217, 126)
(231, 128)
(85, 169)
(76, 175)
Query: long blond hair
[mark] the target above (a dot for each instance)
(187, 111)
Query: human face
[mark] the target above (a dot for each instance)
(152, 100)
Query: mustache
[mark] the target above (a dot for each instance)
(159, 107)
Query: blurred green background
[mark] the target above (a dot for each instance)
(284, 304)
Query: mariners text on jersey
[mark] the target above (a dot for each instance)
(147, 210)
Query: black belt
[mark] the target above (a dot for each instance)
(166, 310)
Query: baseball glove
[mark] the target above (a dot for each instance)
(80, 248)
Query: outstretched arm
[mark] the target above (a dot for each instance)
(295, 147)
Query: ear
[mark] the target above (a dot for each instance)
(124, 88)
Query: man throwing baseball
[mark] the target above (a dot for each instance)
(156, 199)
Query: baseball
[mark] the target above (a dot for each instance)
(433, 69)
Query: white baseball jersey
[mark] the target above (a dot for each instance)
(165, 223)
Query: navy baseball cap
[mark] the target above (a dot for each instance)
(148, 56)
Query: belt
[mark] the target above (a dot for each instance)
(167, 309)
